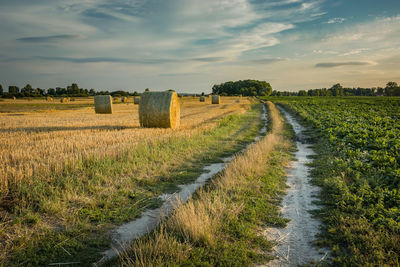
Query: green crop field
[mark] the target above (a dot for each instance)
(357, 141)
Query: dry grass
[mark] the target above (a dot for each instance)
(197, 221)
(37, 145)
(42, 143)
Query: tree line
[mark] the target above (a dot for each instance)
(391, 89)
(72, 90)
(243, 87)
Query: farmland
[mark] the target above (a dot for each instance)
(357, 141)
(70, 175)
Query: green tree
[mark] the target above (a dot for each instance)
(1, 90)
(243, 87)
(147, 90)
(28, 90)
(337, 90)
(51, 91)
(120, 93)
(302, 93)
(392, 89)
(12, 89)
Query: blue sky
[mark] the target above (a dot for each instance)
(189, 45)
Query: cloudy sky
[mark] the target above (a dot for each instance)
(189, 45)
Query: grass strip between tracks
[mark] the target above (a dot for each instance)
(221, 224)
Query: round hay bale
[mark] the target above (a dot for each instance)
(159, 109)
(63, 100)
(215, 99)
(136, 100)
(14, 98)
(49, 98)
(124, 99)
(202, 98)
(103, 104)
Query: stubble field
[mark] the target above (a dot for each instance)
(68, 175)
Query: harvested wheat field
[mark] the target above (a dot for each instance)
(69, 175)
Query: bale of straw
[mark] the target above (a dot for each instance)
(215, 99)
(103, 104)
(202, 98)
(124, 99)
(63, 100)
(49, 98)
(159, 109)
(136, 100)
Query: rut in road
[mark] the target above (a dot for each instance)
(294, 242)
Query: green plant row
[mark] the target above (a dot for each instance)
(358, 166)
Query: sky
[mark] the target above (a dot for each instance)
(190, 45)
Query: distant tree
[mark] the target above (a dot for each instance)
(135, 93)
(279, 93)
(92, 92)
(61, 91)
(243, 87)
(202, 93)
(12, 89)
(392, 89)
(39, 92)
(1, 90)
(147, 90)
(51, 91)
(120, 93)
(380, 91)
(337, 90)
(75, 87)
(28, 90)
(302, 93)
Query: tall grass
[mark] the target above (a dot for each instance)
(219, 225)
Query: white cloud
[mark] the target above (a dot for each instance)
(355, 51)
(336, 20)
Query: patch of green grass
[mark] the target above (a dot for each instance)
(238, 241)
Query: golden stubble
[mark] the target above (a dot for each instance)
(43, 142)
